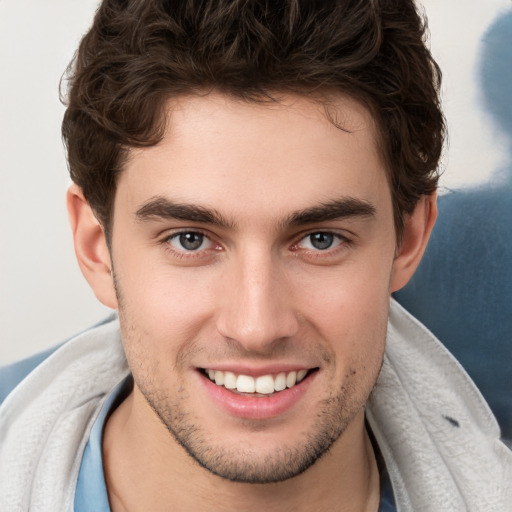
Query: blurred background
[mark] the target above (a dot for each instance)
(43, 297)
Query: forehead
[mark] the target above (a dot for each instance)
(251, 158)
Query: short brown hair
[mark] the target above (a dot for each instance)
(140, 53)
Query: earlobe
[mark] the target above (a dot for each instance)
(91, 247)
(417, 228)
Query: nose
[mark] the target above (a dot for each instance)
(257, 309)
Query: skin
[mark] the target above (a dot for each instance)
(256, 293)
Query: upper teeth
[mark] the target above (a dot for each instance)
(265, 384)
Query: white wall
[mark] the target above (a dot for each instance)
(43, 297)
(476, 146)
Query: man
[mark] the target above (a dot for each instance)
(252, 180)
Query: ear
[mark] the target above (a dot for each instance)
(417, 228)
(91, 247)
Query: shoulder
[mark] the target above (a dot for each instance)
(12, 374)
(461, 290)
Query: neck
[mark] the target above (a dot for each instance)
(145, 469)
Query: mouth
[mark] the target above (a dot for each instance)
(261, 386)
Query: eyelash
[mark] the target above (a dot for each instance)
(182, 254)
(343, 244)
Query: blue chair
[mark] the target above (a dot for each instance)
(462, 290)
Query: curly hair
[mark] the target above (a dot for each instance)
(140, 53)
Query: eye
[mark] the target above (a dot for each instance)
(190, 241)
(320, 241)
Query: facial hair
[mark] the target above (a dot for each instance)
(245, 465)
(241, 463)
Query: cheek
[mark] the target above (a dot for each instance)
(348, 299)
(166, 307)
(351, 313)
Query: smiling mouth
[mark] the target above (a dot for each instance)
(264, 385)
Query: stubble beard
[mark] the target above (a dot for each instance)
(240, 464)
(243, 465)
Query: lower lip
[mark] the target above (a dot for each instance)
(257, 408)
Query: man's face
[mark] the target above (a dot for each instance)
(254, 245)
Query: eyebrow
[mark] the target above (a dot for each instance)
(163, 208)
(337, 209)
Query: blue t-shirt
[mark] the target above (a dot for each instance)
(91, 490)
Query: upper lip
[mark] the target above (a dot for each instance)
(257, 371)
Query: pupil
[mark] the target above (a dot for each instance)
(321, 240)
(191, 241)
